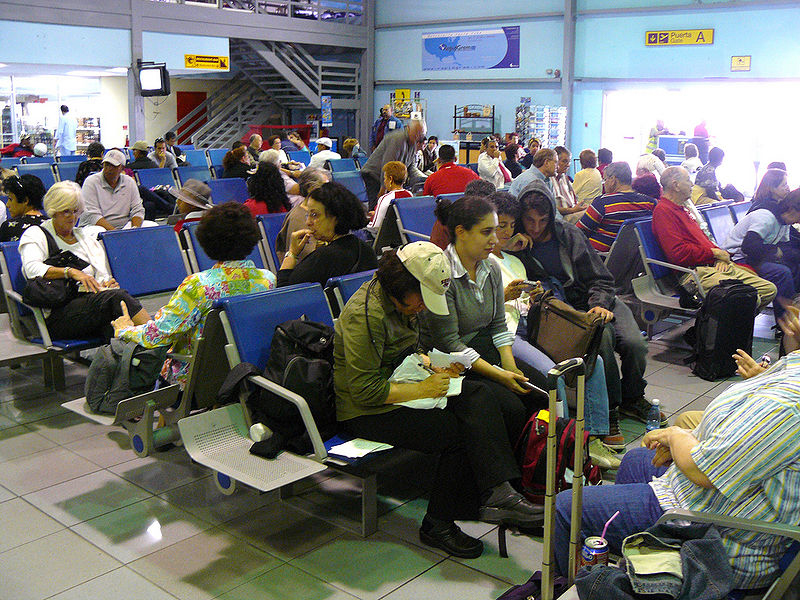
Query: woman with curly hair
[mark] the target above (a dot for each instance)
(333, 213)
(267, 191)
(227, 233)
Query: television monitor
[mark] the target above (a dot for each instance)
(154, 80)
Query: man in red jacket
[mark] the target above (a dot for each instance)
(449, 177)
(684, 243)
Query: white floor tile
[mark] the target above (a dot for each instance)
(140, 529)
(105, 450)
(368, 569)
(524, 557)
(286, 582)
(205, 565)
(51, 565)
(680, 379)
(22, 523)
(43, 469)
(161, 472)
(119, 584)
(460, 582)
(6, 494)
(40, 404)
(86, 497)
(69, 427)
(21, 440)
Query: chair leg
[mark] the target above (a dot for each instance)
(369, 505)
(53, 367)
(286, 491)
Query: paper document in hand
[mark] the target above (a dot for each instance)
(443, 360)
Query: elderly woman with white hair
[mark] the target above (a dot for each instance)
(288, 175)
(97, 303)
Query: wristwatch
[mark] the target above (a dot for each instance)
(66, 272)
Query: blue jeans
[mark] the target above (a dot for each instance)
(624, 336)
(781, 276)
(596, 410)
(631, 496)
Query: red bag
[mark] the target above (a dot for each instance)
(531, 453)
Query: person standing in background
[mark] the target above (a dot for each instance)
(386, 123)
(65, 141)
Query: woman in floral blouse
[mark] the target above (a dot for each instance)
(227, 233)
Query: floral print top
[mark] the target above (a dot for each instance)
(181, 321)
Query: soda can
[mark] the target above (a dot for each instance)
(594, 552)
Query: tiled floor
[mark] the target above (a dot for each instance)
(82, 517)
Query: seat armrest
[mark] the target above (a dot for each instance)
(778, 529)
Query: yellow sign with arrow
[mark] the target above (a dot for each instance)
(202, 61)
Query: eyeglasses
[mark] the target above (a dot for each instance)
(69, 212)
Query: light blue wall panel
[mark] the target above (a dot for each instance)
(171, 47)
(44, 44)
(392, 11)
(442, 97)
(613, 46)
(398, 52)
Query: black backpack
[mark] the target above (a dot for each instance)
(122, 370)
(723, 324)
(301, 360)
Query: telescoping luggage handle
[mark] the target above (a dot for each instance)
(559, 370)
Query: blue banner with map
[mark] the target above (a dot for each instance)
(483, 49)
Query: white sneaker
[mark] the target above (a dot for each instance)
(601, 456)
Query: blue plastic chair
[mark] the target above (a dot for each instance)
(340, 289)
(215, 156)
(270, 226)
(196, 158)
(227, 190)
(253, 318)
(301, 156)
(10, 162)
(474, 167)
(450, 197)
(186, 173)
(186, 147)
(739, 210)
(342, 165)
(353, 182)
(71, 158)
(43, 171)
(150, 178)
(67, 171)
(415, 217)
(720, 222)
(217, 171)
(199, 260)
(39, 160)
(13, 285)
(145, 260)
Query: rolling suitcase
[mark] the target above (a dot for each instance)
(541, 586)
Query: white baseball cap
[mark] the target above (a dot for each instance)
(430, 266)
(325, 141)
(114, 157)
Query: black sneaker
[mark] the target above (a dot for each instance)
(450, 538)
(639, 409)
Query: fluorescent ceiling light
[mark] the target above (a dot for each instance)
(3, 65)
(120, 70)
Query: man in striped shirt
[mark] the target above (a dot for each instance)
(602, 220)
(742, 460)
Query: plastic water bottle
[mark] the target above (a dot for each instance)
(654, 415)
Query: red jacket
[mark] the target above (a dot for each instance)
(449, 179)
(681, 239)
(15, 151)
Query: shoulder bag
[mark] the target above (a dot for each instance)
(54, 293)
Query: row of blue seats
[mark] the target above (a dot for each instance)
(149, 178)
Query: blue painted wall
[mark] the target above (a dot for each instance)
(409, 11)
(38, 43)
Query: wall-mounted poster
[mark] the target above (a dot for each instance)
(483, 49)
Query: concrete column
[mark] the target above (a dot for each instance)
(364, 116)
(568, 65)
(135, 100)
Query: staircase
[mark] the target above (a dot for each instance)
(292, 77)
(226, 115)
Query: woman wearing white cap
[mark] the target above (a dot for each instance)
(471, 436)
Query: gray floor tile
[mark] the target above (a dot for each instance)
(119, 584)
(285, 582)
(460, 582)
(43, 469)
(22, 523)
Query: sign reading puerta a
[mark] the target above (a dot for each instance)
(483, 49)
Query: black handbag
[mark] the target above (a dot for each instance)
(54, 293)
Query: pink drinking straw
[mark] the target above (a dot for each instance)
(614, 516)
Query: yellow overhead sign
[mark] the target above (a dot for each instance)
(201, 61)
(740, 63)
(679, 37)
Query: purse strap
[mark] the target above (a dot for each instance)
(52, 245)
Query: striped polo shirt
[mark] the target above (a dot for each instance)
(604, 217)
(750, 450)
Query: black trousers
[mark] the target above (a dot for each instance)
(90, 315)
(373, 187)
(472, 437)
